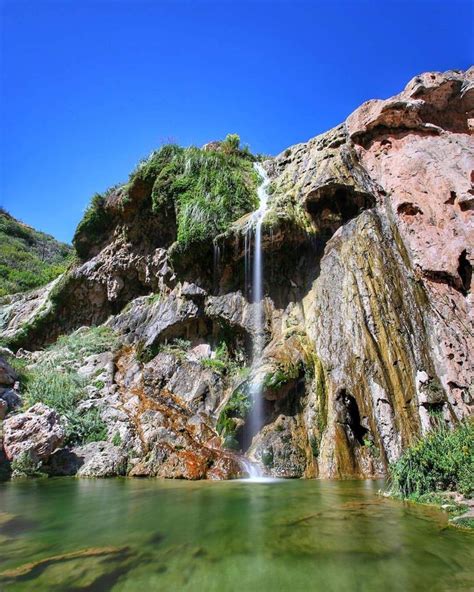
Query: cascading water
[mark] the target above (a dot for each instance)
(256, 221)
(254, 285)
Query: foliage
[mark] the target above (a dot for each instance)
(443, 460)
(54, 381)
(267, 457)
(282, 375)
(28, 258)
(231, 143)
(82, 343)
(25, 467)
(117, 439)
(221, 362)
(94, 224)
(238, 406)
(314, 444)
(63, 391)
(177, 346)
(208, 189)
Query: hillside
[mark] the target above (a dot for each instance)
(28, 258)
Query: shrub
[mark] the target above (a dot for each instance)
(63, 391)
(54, 382)
(443, 460)
(231, 143)
(25, 467)
(208, 189)
(28, 258)
(93, 226)
(238, 406)
(281, 376)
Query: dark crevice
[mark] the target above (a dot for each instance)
(408, 209)
(465, 272)
(348, 415)
(452, 198)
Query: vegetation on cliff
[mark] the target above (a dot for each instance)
(28, 258)
(207, 188)
(54, 381)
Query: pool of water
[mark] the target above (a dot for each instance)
(146, 535)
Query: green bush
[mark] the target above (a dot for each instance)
(238, 406)
(443, 460)
(54, 382)
(25, 467)
(28, 258)
(63, 391)
(95, 223)
(208, 189)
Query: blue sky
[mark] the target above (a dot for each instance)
(90, 87)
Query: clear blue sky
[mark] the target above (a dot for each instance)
(90, 87)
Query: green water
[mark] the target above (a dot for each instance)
(225, 536)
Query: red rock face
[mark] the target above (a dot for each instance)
(418, 147)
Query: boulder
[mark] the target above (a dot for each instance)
(8, 376)
(100, 459)
(11, 399)
(37, 432)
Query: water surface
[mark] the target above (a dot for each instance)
(128, 535)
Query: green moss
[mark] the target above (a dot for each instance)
(28, 258)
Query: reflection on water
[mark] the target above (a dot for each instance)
(127, 535)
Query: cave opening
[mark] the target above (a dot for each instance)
(349, 415)
(465, 272)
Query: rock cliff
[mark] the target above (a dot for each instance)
(368, 248)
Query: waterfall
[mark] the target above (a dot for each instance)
(256, 221)
(253, 286)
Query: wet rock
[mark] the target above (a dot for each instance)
(281, 449)
(37, 432)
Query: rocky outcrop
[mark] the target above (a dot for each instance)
(36, 433)
(368, 309)
(9, 397)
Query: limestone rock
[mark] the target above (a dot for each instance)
(37, 432)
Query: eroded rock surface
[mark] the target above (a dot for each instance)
(368, 251)
(37, 433)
